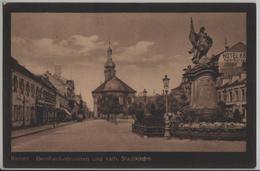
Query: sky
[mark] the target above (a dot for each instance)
(146, 46)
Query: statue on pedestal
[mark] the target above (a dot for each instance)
(202, 77)
(201, 43)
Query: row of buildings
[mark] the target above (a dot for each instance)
(231, 81)
(42, 99)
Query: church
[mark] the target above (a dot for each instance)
(112, 85)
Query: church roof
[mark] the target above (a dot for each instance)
(239, 47)
(114, 85)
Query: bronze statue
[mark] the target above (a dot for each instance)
(201, 43)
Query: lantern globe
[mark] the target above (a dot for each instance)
(166, 82)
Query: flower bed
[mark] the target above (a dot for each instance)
(151, 129)
(217, 130)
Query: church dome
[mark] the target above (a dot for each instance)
(114, 85)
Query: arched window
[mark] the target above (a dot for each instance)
(27, 88)
(121, 100)
(129, 100)
(15, 83)
(21, 85)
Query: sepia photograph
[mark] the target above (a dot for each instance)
(128, 82)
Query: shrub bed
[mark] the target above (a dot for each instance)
(217, 130)
(149, 127)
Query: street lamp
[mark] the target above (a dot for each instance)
(145, 94)
(166, 82)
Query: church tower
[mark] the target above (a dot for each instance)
(109, 71)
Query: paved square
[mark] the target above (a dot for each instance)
(103, 136)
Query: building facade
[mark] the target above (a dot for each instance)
(62, 96)
(24, 85)
(33, 97)
(112, 86)
(45, 101)
(233, 93)
(231, 84)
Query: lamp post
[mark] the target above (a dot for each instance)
(166, 81)
(145, 94)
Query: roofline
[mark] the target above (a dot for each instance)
(118, 91)
(232, 84)
(102, 91)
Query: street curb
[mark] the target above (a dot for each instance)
(35, 132)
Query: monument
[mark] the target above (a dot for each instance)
(203, 100)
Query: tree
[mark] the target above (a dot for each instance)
(153, 109)
(177, 100)
(137, 111)
(109, 105)
(159, 107)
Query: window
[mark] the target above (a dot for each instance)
(32, 90)
(27, 88)
(16, 113)
(13, 113)
(237, 95)
(37, 91)
(22, 113)
(19, 113)
(21, 85)
(40, 93)
(15, 83)
(27, 113)
(224, 96)
(121, 100)
(243, 94)
(219, 96)
(230, 96)
(129, 100)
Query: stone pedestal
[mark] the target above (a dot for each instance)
(203, 100)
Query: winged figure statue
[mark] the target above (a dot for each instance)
(201, 43)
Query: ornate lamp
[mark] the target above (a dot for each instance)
(166, 82)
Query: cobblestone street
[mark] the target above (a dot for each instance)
(100, 135)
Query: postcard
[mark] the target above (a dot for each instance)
(130, 85)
